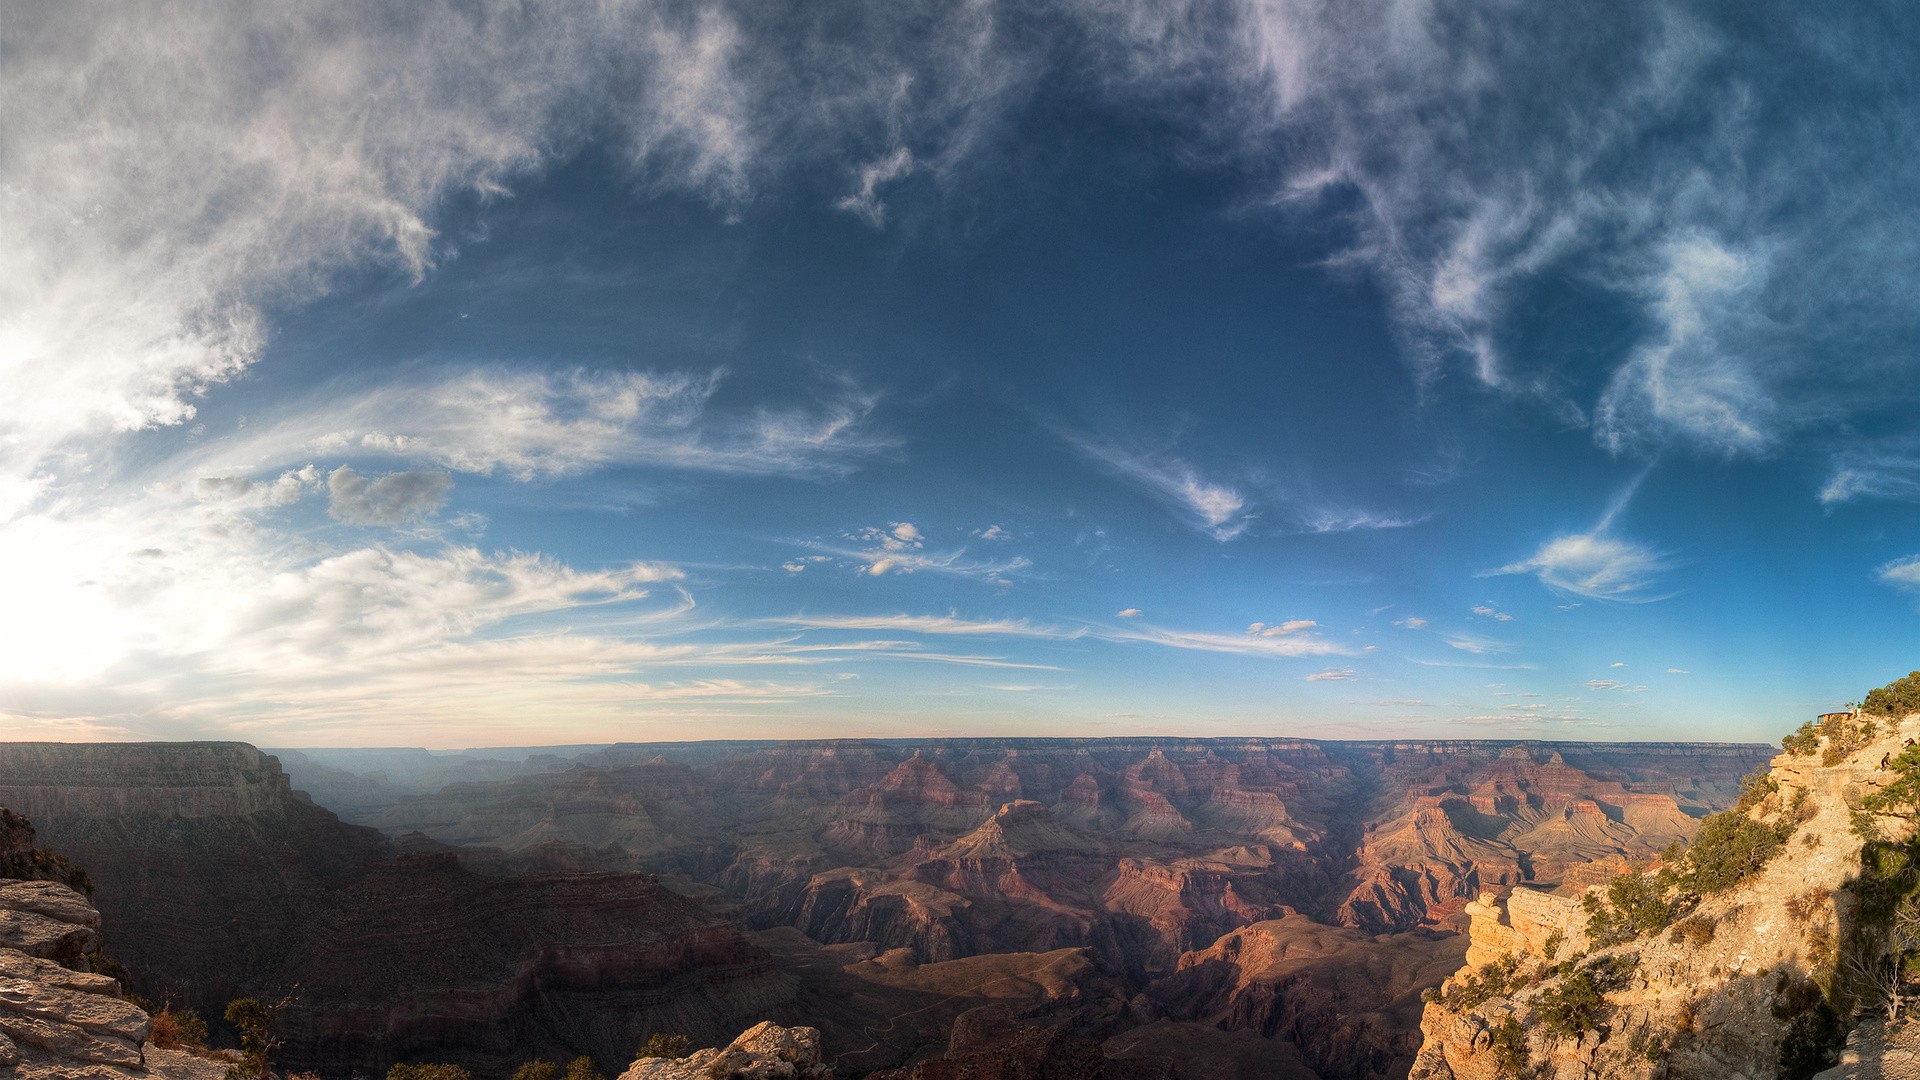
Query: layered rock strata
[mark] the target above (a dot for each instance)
(1719, 993)
(58, 1022)
(765, 1051)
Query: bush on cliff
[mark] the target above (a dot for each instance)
(254, 1020)
(583, 1068)
(663, 1045)
(1898, 698)
(1729, 848)
(1569, 1009)
(1509, 1047)
(183, 1030)
(428, 1072)
(1634, 905)
(537, 1070)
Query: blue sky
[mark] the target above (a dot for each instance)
(550, 373)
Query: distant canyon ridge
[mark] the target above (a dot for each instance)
(1249, 907)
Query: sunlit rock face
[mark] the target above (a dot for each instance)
(1714, 994)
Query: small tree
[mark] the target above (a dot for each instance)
(663, 1045)
(428, 1072)
(537, 1070)
(1896, 699)
(182, 1030)
(583, 1068)
(254, 1020)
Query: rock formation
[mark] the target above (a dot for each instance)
(59, 1021)
(1741, 959)
(765, 1051)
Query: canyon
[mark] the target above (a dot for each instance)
(1272, 907)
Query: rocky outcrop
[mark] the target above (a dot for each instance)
(57, 1020)
(765, 1051)
(1525, 923)
(1721, 992)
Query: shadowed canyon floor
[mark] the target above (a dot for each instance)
(1237, 897)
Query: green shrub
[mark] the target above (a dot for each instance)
(428, 1072)
(254, 1020)
(662, 1045)
(583, 1068)
(1802, 742)
(1635, 905)
(1729, 848)
(537, 1070)
(1510, 1047)
(1901, 796)
(1754, 789)
(1496, 978)
(1844, 735)
(1569, 1008)
(1896, 699)
(1551, 947)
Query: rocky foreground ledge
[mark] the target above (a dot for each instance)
(58, 1022)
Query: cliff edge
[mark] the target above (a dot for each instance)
(1747, 955)
(57, 1020)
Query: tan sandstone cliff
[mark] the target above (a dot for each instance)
(1714, 992)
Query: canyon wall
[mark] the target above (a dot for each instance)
(219, 881)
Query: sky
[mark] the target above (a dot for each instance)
(512, 373)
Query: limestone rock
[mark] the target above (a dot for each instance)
(1710, 997)
(765, 1051)
(60, 1024)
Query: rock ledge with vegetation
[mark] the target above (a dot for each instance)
(1791, 918)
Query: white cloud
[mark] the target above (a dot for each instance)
(532, 424)
(1618, 664)
(927, 624)
(1328, 520)
(1595, 566)
(865, 202)
(1901, 573)
(1885, 469)
(1411, 622)
(993, 532)
(1678, 671)
(1129, 613)
(1614, 684)
(1291, 626)
(1333, 675)
(1478, 646)
(1234, 644)
(1487, 611)
(1214, 508)
(385, 500)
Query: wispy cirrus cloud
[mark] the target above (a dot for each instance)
(901, 548)
(1595, 566)
(1216, 508)
(532, 424)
